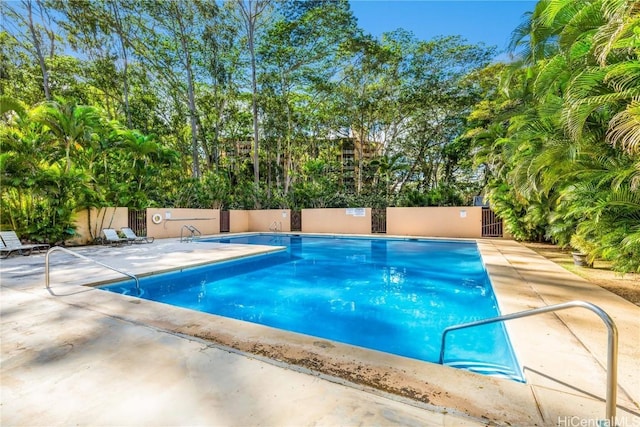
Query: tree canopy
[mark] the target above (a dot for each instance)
(258, 103)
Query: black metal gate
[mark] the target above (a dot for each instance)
(296, 220)
(138, 221)
(378, 221)
(225, 222)
(491, 224)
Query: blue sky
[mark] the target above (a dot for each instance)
(477, 21)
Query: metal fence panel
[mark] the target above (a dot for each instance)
(225, 221)
(138, 221)
(296, 220)
(491, 224)
(378, 221)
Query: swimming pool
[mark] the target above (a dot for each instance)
(391, 295)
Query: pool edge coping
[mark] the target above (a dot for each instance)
(506, 401)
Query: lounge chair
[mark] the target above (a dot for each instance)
(111, 236)
(133, 238)
(5, 252)
(11, 243)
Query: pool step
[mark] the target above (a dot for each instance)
(132, 292)
(489, 369)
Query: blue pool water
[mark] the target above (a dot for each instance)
(392, 295)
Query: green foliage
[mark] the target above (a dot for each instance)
(59, 157)
(413, 198)
(210, 192)
(151, 103)
(562, 160)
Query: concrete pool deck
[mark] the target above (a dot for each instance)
(78, 355)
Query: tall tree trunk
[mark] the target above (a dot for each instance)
(36, 44)
(289, 163)
(360, 149)
(250, 11)
(254, 108)
(280, 176)
(192, 100)
(125, 61)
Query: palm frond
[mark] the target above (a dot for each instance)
(552, 74)
(621, 19)
(533, 39)
(634, 178)
(580, 49)
(624, 128)
(551, 109)
(558, 12)
(623, 76)
(8, 104)
(587, 82)
(629, 94)
(583, 20)
(578, 111)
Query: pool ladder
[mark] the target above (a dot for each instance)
(194, 233)
(612, 343)
(77, 255)
(275, 226)
(484, 368)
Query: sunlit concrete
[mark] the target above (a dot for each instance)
(564, 354)
(77, 355)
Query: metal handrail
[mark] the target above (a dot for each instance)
(612, 347)
(60, 248)
(193, 231)
(182, 229)
(190, 219)
(275, 226)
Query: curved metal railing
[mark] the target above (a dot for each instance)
(275, 226)
(612, 347)
(194, 233)
(60, 248)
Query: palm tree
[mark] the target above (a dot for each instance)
(72, 127)
(567, 157)
(388, 167)
(41, 191)
(20, 158)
